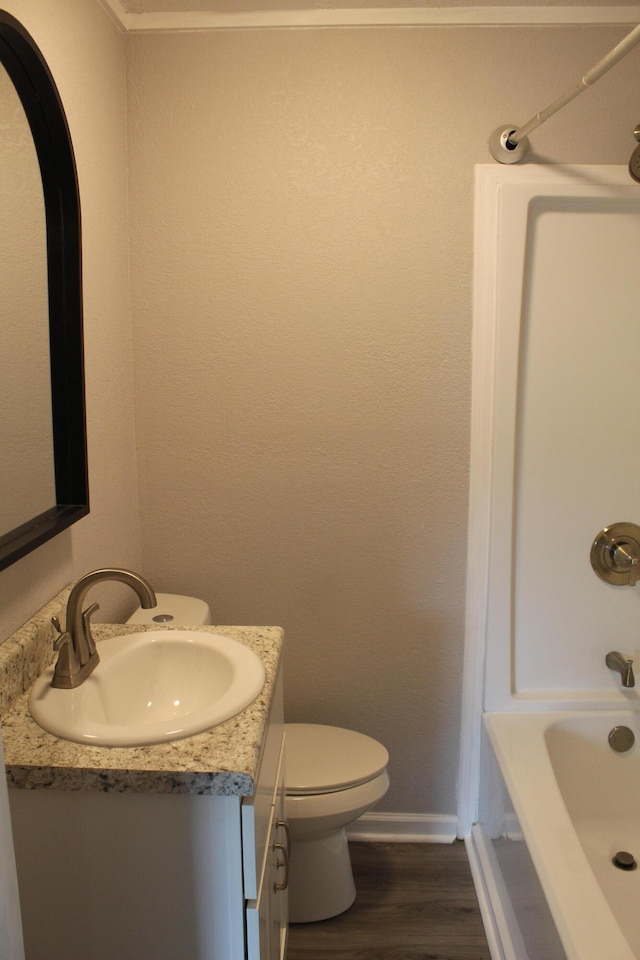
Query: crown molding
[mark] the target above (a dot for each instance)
(368, 17)
(115, 12)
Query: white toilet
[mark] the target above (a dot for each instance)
(173, 608)
(333, 776)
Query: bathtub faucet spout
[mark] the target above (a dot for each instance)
(624, 666)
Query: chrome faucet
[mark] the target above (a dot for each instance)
(77, 650)
(616, 661)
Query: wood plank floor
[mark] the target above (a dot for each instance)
(415, 901)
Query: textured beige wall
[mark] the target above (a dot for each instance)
(301, 244)
(301, 210)
(86, 56)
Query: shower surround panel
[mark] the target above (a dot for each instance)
(565, 425)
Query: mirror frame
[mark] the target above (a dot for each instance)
(37, 91)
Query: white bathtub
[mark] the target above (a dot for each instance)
(574, 802)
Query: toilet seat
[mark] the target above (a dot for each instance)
(323, 759)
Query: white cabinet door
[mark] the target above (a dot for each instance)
(267, 914)
(257, 811)
(165, 875)
(279, 879)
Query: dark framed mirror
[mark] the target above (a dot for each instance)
(42, 398)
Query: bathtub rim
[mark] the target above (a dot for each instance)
(584, 920)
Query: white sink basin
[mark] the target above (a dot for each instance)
(151, 687)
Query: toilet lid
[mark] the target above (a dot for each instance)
(323, 759)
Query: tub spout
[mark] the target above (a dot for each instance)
(624, 666)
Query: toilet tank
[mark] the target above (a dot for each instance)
(173, 608)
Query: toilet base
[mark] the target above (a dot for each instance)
(320, 878)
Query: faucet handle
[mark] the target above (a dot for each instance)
(66, 664)
(60, 641)
(86, 616)
(62, 638)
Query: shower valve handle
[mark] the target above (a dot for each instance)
(625, 560)
(615, 554)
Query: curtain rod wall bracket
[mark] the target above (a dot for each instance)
(503, 149)
(505, 142)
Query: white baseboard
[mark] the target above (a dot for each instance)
(404, 828)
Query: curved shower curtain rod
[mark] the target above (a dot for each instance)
(509, 144)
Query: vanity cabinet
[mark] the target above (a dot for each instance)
(157, 875)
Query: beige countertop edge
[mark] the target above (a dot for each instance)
(222, 760)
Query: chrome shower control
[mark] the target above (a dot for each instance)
(615, 554)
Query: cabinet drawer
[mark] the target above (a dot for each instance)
(256, 811)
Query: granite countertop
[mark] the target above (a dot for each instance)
(223, 760)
